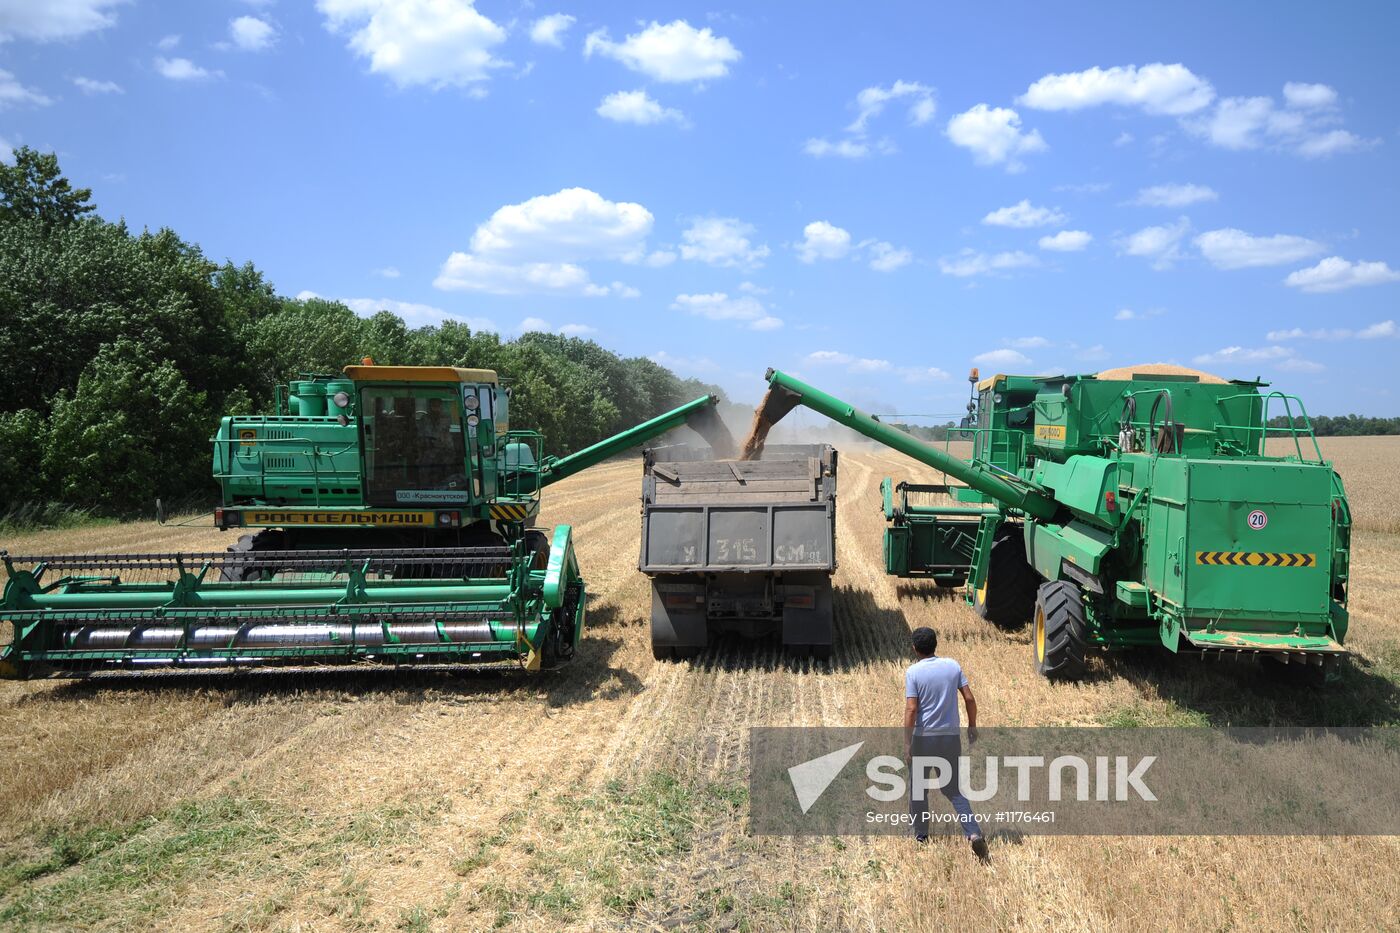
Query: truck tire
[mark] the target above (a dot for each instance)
(1059, 637)
(1007, 595)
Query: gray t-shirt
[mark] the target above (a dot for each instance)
(934, 682)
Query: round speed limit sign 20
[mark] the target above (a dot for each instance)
(1257, 520)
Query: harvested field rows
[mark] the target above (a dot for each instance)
(612, 793)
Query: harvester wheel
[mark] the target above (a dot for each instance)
(537, 543)
(1007, 595)
(234, 570)
(1058, 638)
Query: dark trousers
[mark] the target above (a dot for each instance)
(949, 748)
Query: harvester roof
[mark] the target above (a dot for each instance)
(373, 373)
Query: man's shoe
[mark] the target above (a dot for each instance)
(979, 849)
(921, 840)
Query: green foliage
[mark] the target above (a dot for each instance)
(132, 431)
(122, 350)
(34, 189)
(1344, 425)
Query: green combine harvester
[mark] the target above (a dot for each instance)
(388, 516)
(1124, 509)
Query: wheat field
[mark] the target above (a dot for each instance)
(611, 794)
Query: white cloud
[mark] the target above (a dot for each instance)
(1174, 195)
(1230, 355)
(676, 52)
(721, 241)
(12, 92)
(843, 148)
(465, 272)
(1308, 96)
(923, 374)
(684, 365)
(1123, 139)
(539, 325)
(1128, 314)
(969, 263)
(388, 272)
(1092, 354)
(854, 364)
(1023, 215)
(537, 245)
(885, 257)
(1235, 249)
(438, 43)
(93, 86)
(751, 288)
(1028, 343)
(251, 34)
(1161, 244)
(49, 20)
(1002, 359)
(572, 224)
(660, 259)
(637, 107)
(182, 69)
(1302, 126)
(718, 306)
(549, 30)
(1333, 142)
(1376, 331)
(1299, 365)
(870, 103)
(1335, 274)
(1066, 241)
(1092, 187)
(167, 43)
(1156, 89)
(994, 136)
(821, 240)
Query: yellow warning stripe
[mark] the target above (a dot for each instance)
(509, 512)
(1255, 559)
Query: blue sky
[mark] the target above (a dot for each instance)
(876, 199)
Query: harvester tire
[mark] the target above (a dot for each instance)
(1059, 638)
(234, 570)
(1007, 596)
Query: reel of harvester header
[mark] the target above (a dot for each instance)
(389, 517)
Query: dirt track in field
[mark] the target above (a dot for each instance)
(448, 801)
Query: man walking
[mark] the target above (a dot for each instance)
(931, 687)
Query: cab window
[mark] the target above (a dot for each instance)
(415, 451)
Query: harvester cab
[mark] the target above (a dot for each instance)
(1144, 506)
(388, 516)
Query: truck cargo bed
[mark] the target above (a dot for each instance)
(733, 545)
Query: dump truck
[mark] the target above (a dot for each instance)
(386, 514)
(744, 546)
(1137, 507)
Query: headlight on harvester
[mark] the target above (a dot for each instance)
(473, 421)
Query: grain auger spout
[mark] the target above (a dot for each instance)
(786, 393)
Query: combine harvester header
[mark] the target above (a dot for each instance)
(391, 515)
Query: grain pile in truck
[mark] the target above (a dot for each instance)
(741, 546)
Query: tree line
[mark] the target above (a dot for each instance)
(121, 350)
(1344, 425)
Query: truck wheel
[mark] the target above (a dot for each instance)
(1059, 637)
(661, 652)
(1007, 595)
